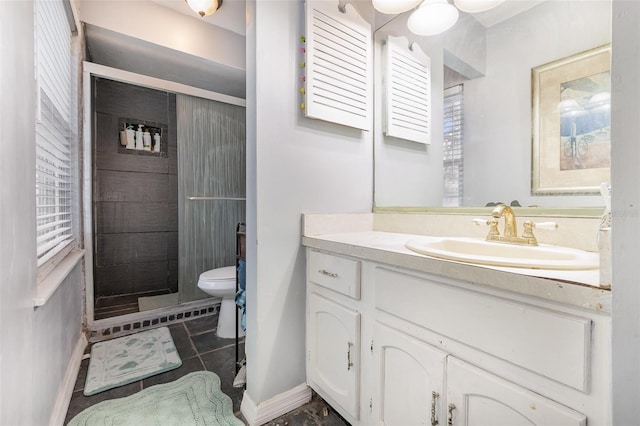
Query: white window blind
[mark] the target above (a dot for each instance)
(453, 152)
(54, 207)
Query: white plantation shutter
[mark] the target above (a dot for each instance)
(53, 130)
(407, 84)
(338, 65)
(453, 153)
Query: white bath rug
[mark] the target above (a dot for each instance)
(192, 400)
(131, 358)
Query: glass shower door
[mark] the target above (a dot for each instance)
(211, 187)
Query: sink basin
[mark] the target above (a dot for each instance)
(478, 251)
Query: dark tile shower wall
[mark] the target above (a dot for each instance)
(135, 194)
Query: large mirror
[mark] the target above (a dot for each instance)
(488, 58)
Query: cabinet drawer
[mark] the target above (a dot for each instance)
(551, 343)
(334, 272)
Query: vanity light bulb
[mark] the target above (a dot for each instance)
(393, 7)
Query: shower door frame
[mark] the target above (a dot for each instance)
(89, 70)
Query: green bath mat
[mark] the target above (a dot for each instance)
(131, 358)
(194, 399)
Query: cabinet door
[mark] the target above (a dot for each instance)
(408, 372)
(476, 397)
(333, 344)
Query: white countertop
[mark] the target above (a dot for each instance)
(578, 288)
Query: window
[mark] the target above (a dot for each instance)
(56, 139)
(453, 159)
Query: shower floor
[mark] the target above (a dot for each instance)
(122, 304)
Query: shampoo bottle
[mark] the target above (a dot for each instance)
(131, 141)
(139, 142)
(156, 140)
(146, 137)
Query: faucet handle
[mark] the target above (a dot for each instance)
(479, 222)
(545, 225)
(528, 229)
(493, 224)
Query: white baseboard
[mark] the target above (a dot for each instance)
(69, 381)
(272, 408)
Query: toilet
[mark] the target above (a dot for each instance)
(221, 282)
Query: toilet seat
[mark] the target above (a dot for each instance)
(221, 282)
(225, 273)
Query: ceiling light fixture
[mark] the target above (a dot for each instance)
(476, 6)
(433, 16)
(392, 7)
(204, 7)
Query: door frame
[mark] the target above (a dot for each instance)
(90, 69)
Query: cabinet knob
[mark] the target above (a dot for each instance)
(349, 363)
(450, 417)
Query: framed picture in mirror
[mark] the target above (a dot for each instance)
(571, 124)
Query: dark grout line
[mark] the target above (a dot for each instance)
(213, 330)
(201, 362)
(218, 349)
(193, 346)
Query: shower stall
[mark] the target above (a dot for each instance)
(161, 214)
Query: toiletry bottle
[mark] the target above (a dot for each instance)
(146, 137)
(156, 140)
(139, 143)
(131, 142)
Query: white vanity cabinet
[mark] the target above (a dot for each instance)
(333, 348)
(395, 346)
(333, 331)
(476, 397)
(408, 378)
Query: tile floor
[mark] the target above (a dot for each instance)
(201, 349)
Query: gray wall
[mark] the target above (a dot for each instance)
(36, 344)
(212, 160)
(135, 194)
(498, 106)
(625, 156)
(294, 165)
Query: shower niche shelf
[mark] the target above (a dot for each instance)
(140, 137)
